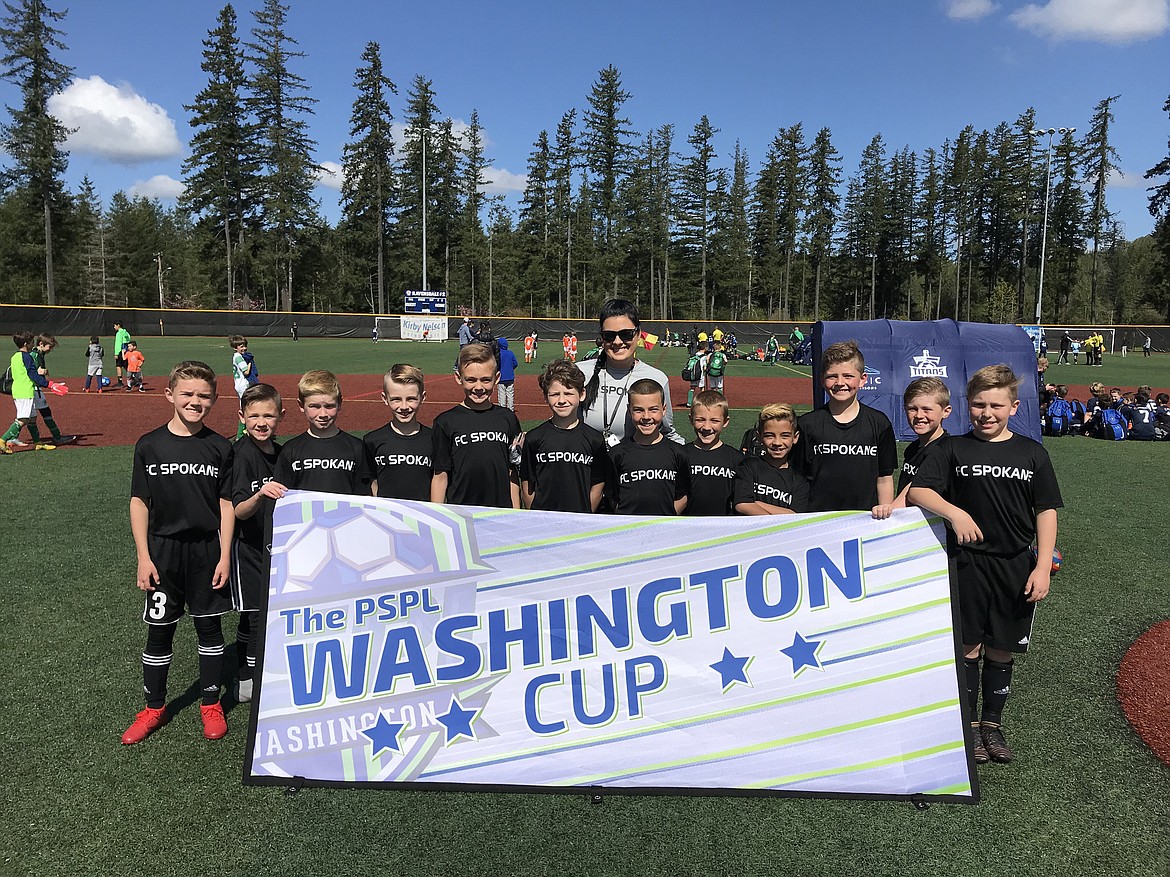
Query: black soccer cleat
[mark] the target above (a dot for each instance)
(996, 743)
(978, 749)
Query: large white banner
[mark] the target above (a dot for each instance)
(427, 644)
(424, 328)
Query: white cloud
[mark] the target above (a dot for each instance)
(1122, 180)
(159, 186)
(500, 180)
(970, 10)
(1111, 21)
(329, 175)
(114, 122)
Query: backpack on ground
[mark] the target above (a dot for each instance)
(1079, 414)
(1060, 417)
(693, 370)
(6, 382)
(716, 363)
(1110, 424)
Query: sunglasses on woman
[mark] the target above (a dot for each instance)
(609, 336)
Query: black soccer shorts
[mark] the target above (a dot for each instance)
(992, 605)
(185, 569)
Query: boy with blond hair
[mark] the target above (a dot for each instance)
(769, 485)
(182, 521)
(713, 463)
(403, 449)
(927, 403)
(997, 490)
(324, 457)
(847, 449)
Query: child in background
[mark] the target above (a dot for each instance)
(529, 348)
(563, 466)
(769, 485)
(403, 448)
(323, 457)
(508, 366)
(134, 362)
(476, 442)
(716, 365)
(1162, 417)
(712, 462)
(1142, 417)
(253, 496)
(44, 345)
(927, 403)
(182, 520)
(998, 492)
(847, 449)
(241, 371)
(697, 364)
(26, 380)
(648, 475)
(121, 342)
(93, 364)
(573, 347)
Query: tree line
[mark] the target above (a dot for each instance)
(659, 216)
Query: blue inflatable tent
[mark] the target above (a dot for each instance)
(897, 352)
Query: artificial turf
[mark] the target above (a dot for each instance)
(1084, 797)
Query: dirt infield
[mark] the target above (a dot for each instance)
(1143, 688)
(118, 417)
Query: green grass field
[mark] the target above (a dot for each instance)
(1085, 796)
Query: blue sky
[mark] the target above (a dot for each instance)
(916, 71)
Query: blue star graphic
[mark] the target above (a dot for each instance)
(384, 735)
(732, 669)
(457, 720)
(803, 653)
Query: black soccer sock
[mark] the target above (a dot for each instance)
(971, 674)
(50, 423)
(210, 635)
(33, 432)
(156, 663)
(997, 685)
(245, 646)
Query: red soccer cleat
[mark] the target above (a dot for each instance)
(214, 723)
(145, 723)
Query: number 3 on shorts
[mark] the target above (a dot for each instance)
(157, 608)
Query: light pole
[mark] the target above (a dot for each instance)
(424, 210)
(158, 262)
(1044, 228)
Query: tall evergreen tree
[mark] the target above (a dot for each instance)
(791, 158)
(421, 118)
(367, 161)
(32, 138)
(608, 152)
(931, 237)
(279, 101)
(93, 230)
(821, 216)
(698, 184)
(1099, 162)
(538, 263)
(220, 174)
(1066, 225)
(1159, 207)
(565, 161)
(471, 234)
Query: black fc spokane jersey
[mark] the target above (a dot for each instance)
(712, 474)
(1001, 485)
(912, 458)
(647, 479)
(843, 461)
(757, 481)
(338, 464)
(473, 448)
(182, 479)
(251, 468)
(562, 465)
(404, 463)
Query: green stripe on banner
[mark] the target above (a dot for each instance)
(348, 768)
(955, 789)
(917, 552)
(670, 551)
(881, 647)
(886, 616)
(409, 769)
(731, 712)
(576, 537)
(930, 575)
(769, 745)
(904, 758)
(906, 528)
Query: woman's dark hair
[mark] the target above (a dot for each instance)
(615, 307)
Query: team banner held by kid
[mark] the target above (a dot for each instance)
(430, 645)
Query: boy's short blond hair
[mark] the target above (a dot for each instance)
(235, 341)
(711, 399)
(563, 372)
(994, 377)
(842, 351)
(474, 353)
(404, 373)
(777, 411)
(260, 393)
(935, 387)
(318, 382)
(192, 370)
